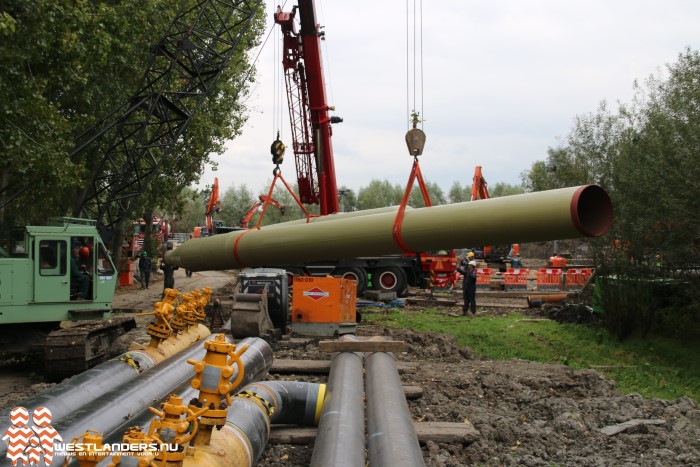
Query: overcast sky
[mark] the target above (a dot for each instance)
(502, 82)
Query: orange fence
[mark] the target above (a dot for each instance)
(515, 279)
(549, 279)
(483, 278)
(577, 278)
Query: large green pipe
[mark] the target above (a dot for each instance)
(546, 215)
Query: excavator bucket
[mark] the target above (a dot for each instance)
(249, 315)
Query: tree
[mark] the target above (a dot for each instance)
(348, 199)
(64, 68)
(584, 157)
(379, 194)
(458, 194)
(504, 189)
(436, 195)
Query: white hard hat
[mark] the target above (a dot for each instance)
(472, 263)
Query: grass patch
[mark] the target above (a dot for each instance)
(653, 367)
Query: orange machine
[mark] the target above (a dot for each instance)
(323, 306)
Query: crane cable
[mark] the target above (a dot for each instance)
(327, 61)
(416, 59)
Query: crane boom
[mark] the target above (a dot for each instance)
(213, 205)
(136, 137)
(308, 108)
(479, 187)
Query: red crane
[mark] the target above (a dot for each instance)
(308, 107)
(262, 199)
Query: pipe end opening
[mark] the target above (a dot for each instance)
(592, 211)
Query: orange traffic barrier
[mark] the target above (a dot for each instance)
(483, 278)
(515, 278)
(577, 278)
(549, 279)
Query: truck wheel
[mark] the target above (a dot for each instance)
(389, 280)
(290, 276)
(353, 274)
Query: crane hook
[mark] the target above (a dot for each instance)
(277, 150)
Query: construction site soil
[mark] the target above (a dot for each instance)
(526, 413)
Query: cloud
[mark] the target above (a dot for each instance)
(501, 82)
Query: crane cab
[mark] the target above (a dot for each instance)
(35, 274)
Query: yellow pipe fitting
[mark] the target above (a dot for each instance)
(200, 299)
(171, 429)
(170, 296)
(186, 310)
(159, 329)
(95, 451)
(228, 446)
(212, 380)
(135, 436)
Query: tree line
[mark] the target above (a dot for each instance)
(237, 200)
(646, 154)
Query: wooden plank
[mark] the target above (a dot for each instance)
(446, 432)
(361, 346)
(288, 366)
(292, 435)
(439, 432)
(413, 392)
(321, 367)
(293, 342)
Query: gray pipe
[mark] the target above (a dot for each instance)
(257, 361)
(294, 402)
(341, 432)
(391, 438)
(72, 393)
(128, 406)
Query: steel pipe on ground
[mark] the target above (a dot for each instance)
(257, 361)
(294, 402)
(128, 405)
(340, 440)
(247, 429)
(391, 438)
(71, 394)
(547, 215)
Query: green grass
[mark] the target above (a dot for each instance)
(653, 367)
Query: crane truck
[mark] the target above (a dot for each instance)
(313, 155)
(36, 293)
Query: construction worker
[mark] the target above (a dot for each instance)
(515, 262)
(78, 275)
(468, 271)
(145, 268)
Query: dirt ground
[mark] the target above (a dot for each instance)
(527, 413)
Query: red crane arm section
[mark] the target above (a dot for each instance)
(214, 205)
(479, 188)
